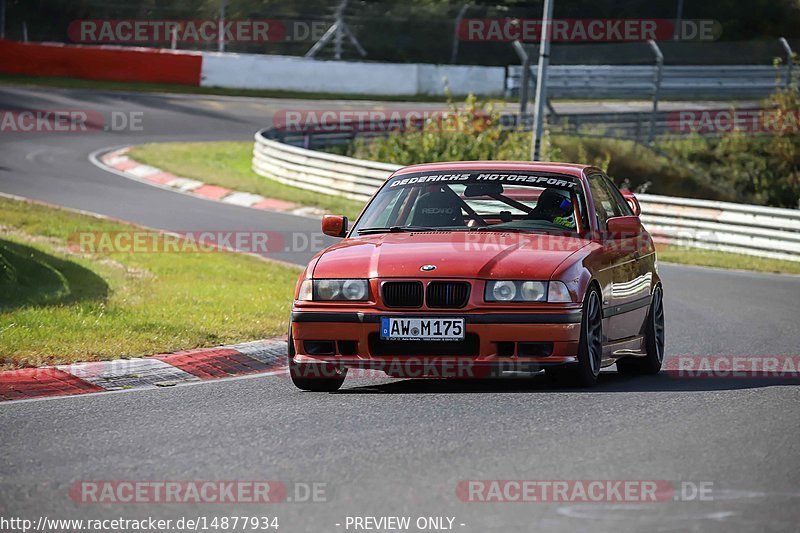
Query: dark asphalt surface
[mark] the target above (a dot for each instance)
(399, 447)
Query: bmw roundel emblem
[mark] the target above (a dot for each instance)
(427, 268)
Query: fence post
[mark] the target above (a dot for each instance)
(541, 81)
(789, 60)
(221, 24)
(656, 88)
(526, 77)
(461, 13)
(337, 31)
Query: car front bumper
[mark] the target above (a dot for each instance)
(507, 341)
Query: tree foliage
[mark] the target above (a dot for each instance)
(405, 30)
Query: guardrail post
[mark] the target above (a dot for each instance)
(638, 134)
(789, 60)
(656, 88)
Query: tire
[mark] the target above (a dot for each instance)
(584, 373)
(317, 377)
(653, 341)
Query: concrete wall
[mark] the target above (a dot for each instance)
(117, 63)
(462, 79)
(250, 71)
(246, 71)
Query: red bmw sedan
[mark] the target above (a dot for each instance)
(472, 269)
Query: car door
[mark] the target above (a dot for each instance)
(623, 283)
(634, 280)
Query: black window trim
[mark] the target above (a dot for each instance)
(615, 192)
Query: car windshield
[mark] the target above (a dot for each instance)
(476, 201)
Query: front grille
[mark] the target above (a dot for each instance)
(452, 294)
(402, 293)
(468, 347)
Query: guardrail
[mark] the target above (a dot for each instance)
(633, 125)
(637, 81)
(728, 227)
(318, 171)
(740, 228)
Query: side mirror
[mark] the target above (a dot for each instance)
(334, 225)
(632, 201)
(624, 227)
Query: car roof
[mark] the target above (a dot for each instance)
(570, 169)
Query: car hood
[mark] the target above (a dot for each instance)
(455, 255)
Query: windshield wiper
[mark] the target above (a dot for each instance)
(393, 229)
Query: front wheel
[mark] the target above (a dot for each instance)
(653, 341)
(316, 377)
(584, 373)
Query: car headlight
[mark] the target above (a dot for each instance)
(321, 290)
(526, 291)
(501, 291)
(355, 289)
(533, 291)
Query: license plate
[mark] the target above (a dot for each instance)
(422, 329)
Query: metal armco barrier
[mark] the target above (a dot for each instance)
(318, 171)
(739, 228)
(634, 81)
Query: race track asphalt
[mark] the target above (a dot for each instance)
(400, 447)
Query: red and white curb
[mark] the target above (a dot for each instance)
(163, 370)
(118, 162)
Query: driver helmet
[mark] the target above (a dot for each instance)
(557, 204)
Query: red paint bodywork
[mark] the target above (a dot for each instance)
(334, 225)
(623, 269)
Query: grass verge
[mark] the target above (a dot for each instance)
(714, 258)
(58, 305)
(228, 164)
